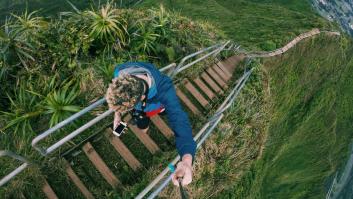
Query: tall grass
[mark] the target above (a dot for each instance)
(309, 130)
(254, 24)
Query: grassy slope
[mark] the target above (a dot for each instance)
(309, 130)
(311, 123)
(248, 22)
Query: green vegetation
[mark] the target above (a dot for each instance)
(309, 129)
(251, 23)
(51, 68)
(64, 56)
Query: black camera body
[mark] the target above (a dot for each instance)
(136, 116)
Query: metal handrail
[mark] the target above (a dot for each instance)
(218, 48)
(232, 47)
(209, 126)
(166, 170)
(18, 170)
(62, 124)
(167, 67)
(222, 48)
(53, 147)
(209, 129)
(233, 94)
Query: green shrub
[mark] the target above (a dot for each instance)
(268, 46)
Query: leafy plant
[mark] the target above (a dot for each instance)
(145, 38)
(106, 68)
(107, 25)
(27, 24)
(13, 47)
(24, 107)
(59, 104)
(161, 21)
(67, 45)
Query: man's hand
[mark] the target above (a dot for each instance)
(117, 119)
(184, 171)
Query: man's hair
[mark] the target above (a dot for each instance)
(124, 92)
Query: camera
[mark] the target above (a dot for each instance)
(136, 116)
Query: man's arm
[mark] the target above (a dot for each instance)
(177, 119)
(179, 122)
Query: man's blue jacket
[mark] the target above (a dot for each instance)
(166, 95)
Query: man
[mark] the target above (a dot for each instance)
(140, 88)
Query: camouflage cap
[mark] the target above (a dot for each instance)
(124, 92)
